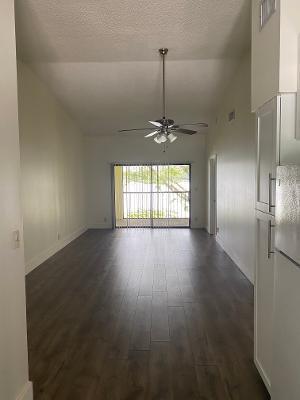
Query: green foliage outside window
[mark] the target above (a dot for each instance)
(147, 214)
(162, 175)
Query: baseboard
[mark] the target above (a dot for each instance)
(206, 228)
(235, 258)
(263, 375)
(26, 392)
(109, 226)
(195, 226)
(43, 256)
(100, 225)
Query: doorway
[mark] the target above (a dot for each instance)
(152, 195)
(212, 225)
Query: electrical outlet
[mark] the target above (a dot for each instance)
(231, 116)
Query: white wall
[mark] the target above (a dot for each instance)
(13, 344)
(234, 144)
(52, 166)
(102, 151)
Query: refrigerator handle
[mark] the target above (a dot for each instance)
(271, 180)
(270, 226)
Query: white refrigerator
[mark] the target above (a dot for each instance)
(286, 321)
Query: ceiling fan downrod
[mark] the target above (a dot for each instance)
(165, 129)
(163, 52)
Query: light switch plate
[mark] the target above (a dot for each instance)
(16, 239)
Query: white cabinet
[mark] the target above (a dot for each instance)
(264, 294)
(274, 50)
(277, 144)
(289, 141)
(267, 136)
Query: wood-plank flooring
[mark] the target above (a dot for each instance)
(140, 314)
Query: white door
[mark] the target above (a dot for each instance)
(267, 128)
(264, 294)
(212, 195)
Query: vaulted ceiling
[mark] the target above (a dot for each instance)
(100, 59)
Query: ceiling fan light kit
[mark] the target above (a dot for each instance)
(166, 127)
(172, 137)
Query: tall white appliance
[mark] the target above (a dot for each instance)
(286, 316)
(286, 326)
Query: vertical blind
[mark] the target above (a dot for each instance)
(152, 195)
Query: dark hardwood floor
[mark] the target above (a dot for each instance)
(141, 314)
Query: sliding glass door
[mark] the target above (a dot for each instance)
(152, 195)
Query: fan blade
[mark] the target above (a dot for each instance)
(156, 123)
(185, 131)
(135, 129)
(203, 124)
(152, 134)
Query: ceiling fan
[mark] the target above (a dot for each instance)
(166, 129)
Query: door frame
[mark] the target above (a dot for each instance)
(150, 163)
(212, 201)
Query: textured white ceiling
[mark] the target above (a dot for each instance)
(100, 58)
(131, 30)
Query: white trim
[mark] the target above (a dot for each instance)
(235, 258)
(44, 255)
(212, 188)
(99, 225)
(26, 392)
